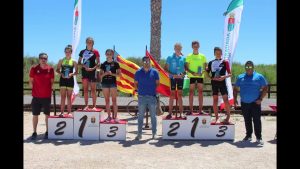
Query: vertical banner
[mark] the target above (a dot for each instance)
(231, 34)
(75, 40)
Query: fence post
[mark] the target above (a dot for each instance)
(269, 91)
(54, 100)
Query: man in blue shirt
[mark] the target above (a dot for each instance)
(175, 67)
(146, 81)
(253, 88)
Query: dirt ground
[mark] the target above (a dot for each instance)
(148, 153)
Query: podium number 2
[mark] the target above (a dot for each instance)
(83, 119)
(113, 130)
(222, 131)
(177, 124)
(61, 126)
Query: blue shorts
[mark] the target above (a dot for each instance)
(112, 85)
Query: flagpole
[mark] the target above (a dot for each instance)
(147, 110)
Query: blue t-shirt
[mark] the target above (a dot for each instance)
(146, 81)
(176, 64)
(250, 86)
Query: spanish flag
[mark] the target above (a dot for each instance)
(164, 86)
(125, 82)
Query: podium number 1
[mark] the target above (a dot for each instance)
(83, 119)
(195, 121)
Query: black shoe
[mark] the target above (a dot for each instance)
(169, 116)
(247, 138)
(33, 136)
(46, 135)
(189, 113)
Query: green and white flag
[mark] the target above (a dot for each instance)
(231, 34)
(75, 40)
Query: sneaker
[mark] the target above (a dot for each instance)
(169, 116)
(203, 112)
(108, 119)
(260, 142)
(94, 109)
(247, 138)
(46, 135)
(61, 115)
(86, 108)
(33, 136)
(116, 120)
(189, 113)
(138, 137)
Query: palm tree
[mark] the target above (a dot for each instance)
(155, 45)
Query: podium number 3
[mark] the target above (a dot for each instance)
(83, 119)
(222, 131)
(113, 130)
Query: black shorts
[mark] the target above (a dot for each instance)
(66, 83)
(90, 76)
(194, 80)
(219, 87)
(38, 103)
(178, 82)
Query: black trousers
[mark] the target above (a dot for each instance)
(252, 111)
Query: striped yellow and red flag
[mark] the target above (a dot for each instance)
(164, 86)
(125, 82)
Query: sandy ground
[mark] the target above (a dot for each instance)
(148, 153)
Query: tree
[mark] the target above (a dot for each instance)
(155, 42)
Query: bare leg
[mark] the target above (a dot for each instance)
(227, 107)
(93, 90)
(114, 94)
(215, 106)
(179, 93)
(46, 121)
(69, 95)
(172, 96)
(106, 94)
(191, 96)
(62, 100)
(200, 96)
(35, 120)
(85, 84)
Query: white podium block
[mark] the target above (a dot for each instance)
(175, 129)
(196, 127)
(221, 131)
(113, 130)
(60, 127)
(86, 125)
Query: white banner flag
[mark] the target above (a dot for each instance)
(231, 34)
(75, 40)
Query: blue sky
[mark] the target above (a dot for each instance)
(126, 24)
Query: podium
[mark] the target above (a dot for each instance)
(196, 127)
(60, 127)
(86, 124)
(113, 130)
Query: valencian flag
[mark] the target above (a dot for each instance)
(75, 40)
(231, 34)
(164, 86)
(125, 82)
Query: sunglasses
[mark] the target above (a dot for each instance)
(67, 52)
(146, 61)
(43, 58)
(248, 67)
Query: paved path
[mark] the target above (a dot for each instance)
(148, 153)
